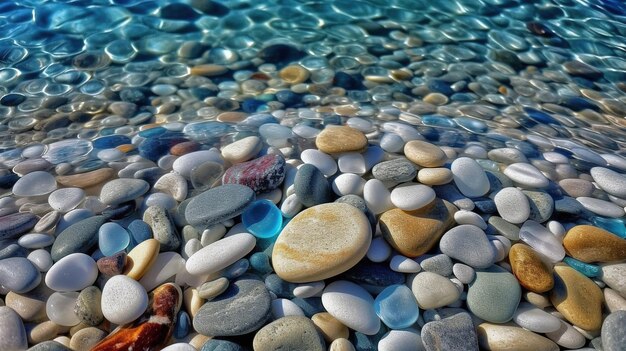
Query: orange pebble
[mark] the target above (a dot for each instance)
(184, 148)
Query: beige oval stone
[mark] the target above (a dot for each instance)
(87, 179)
(434, 176)
(231, 116)
(294, 74)
(577, 297)
(192, 301)
(288, 333)
(208, 70)
(197, 340)
(330, 327)
(213, 288)
(321, 242)
(413, 233)
(424, 154)
(529, 269)
(538, 300)
(614, 301)
(30, 306)
(333, 140)
(592, 244)
(508, 337)
(43, 331)
(86, 338)
(341, 344)
(242, 150)
(141, 258)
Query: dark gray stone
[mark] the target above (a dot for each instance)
(218, 204)
(614, 332)
(440, 264)
(221, 345)
(122, 190)
(79, 237)
(452, 333)
(311, 186)
(398, 170)
(243, 308)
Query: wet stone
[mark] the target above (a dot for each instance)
(262, 175)
(218, 204)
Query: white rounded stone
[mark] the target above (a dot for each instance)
(352, 162)
(412, 197)
(526, 175)
(166, 265)
(567, 336)
(432, 290)
(469, 177)
(60, 308)
(173, 184)
(540, 239)
(35, 184)
(242, 150)
(184, 164)
(534, 319)
(601, 207)
(348, 184)
(351, 305)
(469, 217)
(324, 162)
(311, 289)
(291, 206)
(73, 272)
(123, 300)
(35, 240)
(66, 199)
(400, 340)
(377, 196)
(181, 346)
(283, 307)
(391, 142)
(41, 258)
(220, 254)
(404, 264)
(512, 205)
(379, 250)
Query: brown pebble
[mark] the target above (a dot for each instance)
(184, 148)
(112, 265)
(208, 70)
(330, 328)
(87, 179)
(333, 140)
(529, 269)
(231, 117)
(294, 74)
(592, 244)
(86, 338)
(577, 297)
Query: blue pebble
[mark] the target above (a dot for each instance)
(156, 147)
(310, 305)
(438, 121)
(263, 219)
(260, 262)
(236, 269)
(202, 93)
(486, 205)
(613, 225)
(396, 306)
(334, 120)
(183, 325)
(257, 120)
(541, 117)
(112, 238)
(590, 270)
(8, 180)
(221, 345)
(140, 231)
(471, 124)
(281, 288)
(208, 131)
(440, 86)
(348, 82)
(251, 105)
(579, 104)
(289, 98)
(152, 132)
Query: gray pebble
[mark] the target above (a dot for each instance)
(218, 204)
(469, 244)
(541, 205)
(163, 228)
(311, 186)
(614, 332)
(440, 264)
(398, 171)
(19, 275)
(452, 333)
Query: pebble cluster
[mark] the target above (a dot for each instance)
(282, 175)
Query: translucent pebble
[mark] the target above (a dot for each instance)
(391, 142)
(66, 199)
(352, 162)
(67, 150)
(41, 258)
(110, 155)
(304, 131)
(112, 238)
(613, 225)
(396, 306)
(60, 308)
(590, 270)
(163, 200)
(33, 151)
(263, 219)
(35, 184)
(542, 240)
(379, 250)
(274, 131)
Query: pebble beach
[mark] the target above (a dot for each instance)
(347, 175)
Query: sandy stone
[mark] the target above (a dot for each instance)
(509, 337)
(289, 333)
(86, 338)
(335, 140)
(592, 244)
(208, 70)
(141, 258)
(413, 233)
(331, 328)
(87, 179)
(321, 242)
(294, 74)
(231, 117)
(424, 154)
(577, 297)
(529, 269)
(434, 176)
(44, 331)
(341, 344)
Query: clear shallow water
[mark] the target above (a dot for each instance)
(92, 84)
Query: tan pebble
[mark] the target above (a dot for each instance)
(242, 150)
(592, 244)
(529, 269)
(401, 74)
(575, 187)
(434, 176)
(197, 340)
(173, 184)
(331, 328)
(614, 301)
(346, 110)
(413, 233)
(63, 340)
(86, 338)
(192, 301)
(424, 154)
(321, 242)
(208, 70)
(87, 179)
(436, 99)
(539, 300)
(212, 289)
(31, 306)
(43, 331)
(341, 344)
(294, 74)
(577, 297)
(141, 258)
(509, 337)
(333, 140)
(231, 117)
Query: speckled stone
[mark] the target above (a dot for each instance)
(243, 308)
(395, 171)
(121, 190)
(592, 244)
(263, 174)
(12, 332)
(451, 333)
(541, 205)
(333, 140)
(289, 333)
(221, 345)
(424, 154)
(18, 274)
(508, 337)
(86, 338)
(88, 308)
(613, 335)
(50, 345)
(494, 295)
(79, 237)
(163, 228)
(577, 297)
(469, 244)
(218, 204)
(610, 181)
(531, 272)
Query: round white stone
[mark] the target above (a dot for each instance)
(469, 177)
(404, 264)
(242, 150)
(377, 196)
(412, 197)
(534, 319)
(166, 265)
(35, 240)
(469, 217)
(405, 131)
(66, 199)
(526, 175)
(34, 184)
(12, 332)
(540, 239)
(283, 307)
(391, 142)
(610, 181)
(220, 254)
(291, 206)
(401, 339)
(73, 272)
(601, 207)
(123, 300)
(352, 162)
(184, 164)
(173, 184)
(379, 250)
(181, 346)
(41, 258)
(512, 205)
(348, 184)
(432, 290)
(322, 161)
(351, 305)
(309, 289)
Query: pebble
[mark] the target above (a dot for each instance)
(35, 240)
(402, 264)
(610, 181)
(348, 184)
(14, 225)
(166, 265)
(396, 307)
(18, 274)
(66, 199)
(122, 190)
(220, 254)
(433, 291)
(335, 140)
(163, 229)
(601, 207)
(424, 154)
(506, 337)
(434, 176)
(403, 339)
(289, 333)
(12, 332)
(330, 328)
(322, 161)
(412, 197)
(529, 269)
(577, 187)
(88, 306)
(86, 338)
(494, 295)
(112, 238)
(221, 345)
(469, 177)
(311, 187)
(59, 309)
(534, 319)
(262, 218)
(464, 273)
(243, 308)
(351, 305)
(542, 240)
(613, 337)
(469, 244)
(263, 174)
(141, 258)
(526, 175)
(187, 162)
(512, 205)
(440, 264)
(351, 162)
(414, 233)
(341, 344)
(451, 333)
(173, 184)
(613, 275)
(321, 242)
(507, 155)
(567, 336)
(112, 265)
(210, 207)
(35, 184)
(123, 300)
(242, 150)
(577, 298)
(395, 171)
(541, 205)
(72, 273)
(77, 238)
(86, 180)
(377, 196)
(592, 244)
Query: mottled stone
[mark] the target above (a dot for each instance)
(531, 272)
(79, 237)
(289, 333)
(311, 187)
(88, 308)
(112, 265)
(613, 335)
(122, 190)
(451, 333)
(163, 228)
(494, 295)
(424, 154)
(218, 204)
(577, 297)
(263, 174)
(592, 244)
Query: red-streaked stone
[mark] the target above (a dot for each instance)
(262, 174)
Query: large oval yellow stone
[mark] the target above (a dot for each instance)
(141, 258)
(321, 242)
(592, 244)
(577, 297)
(333, 140)
(529, 269)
